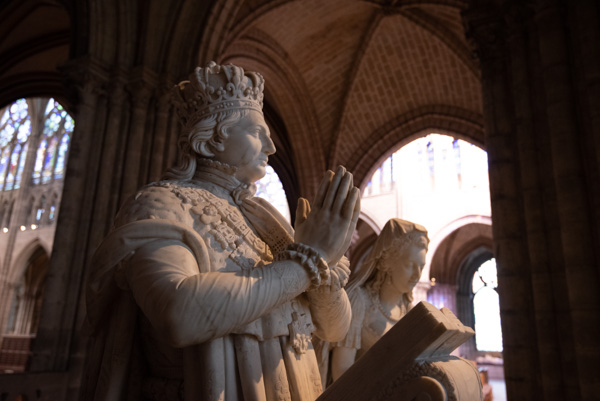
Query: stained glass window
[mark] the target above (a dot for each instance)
(41, 208)
(39, 162)
(48, 168)
(12, 168)
(15, 130)
(33, 157)
(269, 187)
(53, 150)
(62, 154)
(52, 214)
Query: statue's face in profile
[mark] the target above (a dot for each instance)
(248, 147)
(406, 267)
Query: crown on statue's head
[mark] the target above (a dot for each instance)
(216, 88)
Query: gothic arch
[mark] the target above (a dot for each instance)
(25, 296)
(404, 129)
(449, 247)
(21, 262)
(29, 67)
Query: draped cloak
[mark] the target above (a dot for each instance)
(195, 255)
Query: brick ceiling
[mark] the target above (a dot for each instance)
(358, 77)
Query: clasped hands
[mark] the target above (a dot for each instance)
(327, 226)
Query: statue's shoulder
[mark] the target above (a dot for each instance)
(164, 200)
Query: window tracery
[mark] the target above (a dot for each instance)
(15, 129)
(32, 155)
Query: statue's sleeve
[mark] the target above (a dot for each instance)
(188, 304)
(358, 304)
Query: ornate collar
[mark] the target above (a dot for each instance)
(223, 175)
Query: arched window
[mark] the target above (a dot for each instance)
(24, 312)
(270, 188)
(40, 210)
(53, 149)
(15, 129)
(486, 307)
(52, 140)
(52, 210)
(436, 179)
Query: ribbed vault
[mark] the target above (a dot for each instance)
(352, 79)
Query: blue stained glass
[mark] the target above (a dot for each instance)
(24, 131)
(49, 107)
(69, 124)
(6, 135)
(21, 166)
(40, 210)
(18, 110)
(49, 161)
(38, 215)
(12, 168)
(52, 213)
(52, 123)
(39, 162)
(62, 154)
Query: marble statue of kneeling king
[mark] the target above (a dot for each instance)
(202, 291)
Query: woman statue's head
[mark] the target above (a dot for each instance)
(396, 259)
(220, 108)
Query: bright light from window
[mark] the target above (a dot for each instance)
(486, 305)
(269, 187)
(433, 180)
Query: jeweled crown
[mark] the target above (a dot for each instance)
(216, 88)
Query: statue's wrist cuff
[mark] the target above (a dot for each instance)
(311, 261)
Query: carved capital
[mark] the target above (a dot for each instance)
(85, 79)
(141, 86)
(116, 87)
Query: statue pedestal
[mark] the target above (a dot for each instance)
(413, 362)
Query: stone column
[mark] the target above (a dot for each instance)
(487, 28)
(540, 86)
(71, 246)
(572, 170)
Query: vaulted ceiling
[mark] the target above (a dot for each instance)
(34, 40)
(348, 81)
(356, 78)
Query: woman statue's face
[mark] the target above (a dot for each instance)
(405, 267)
(248, 147)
